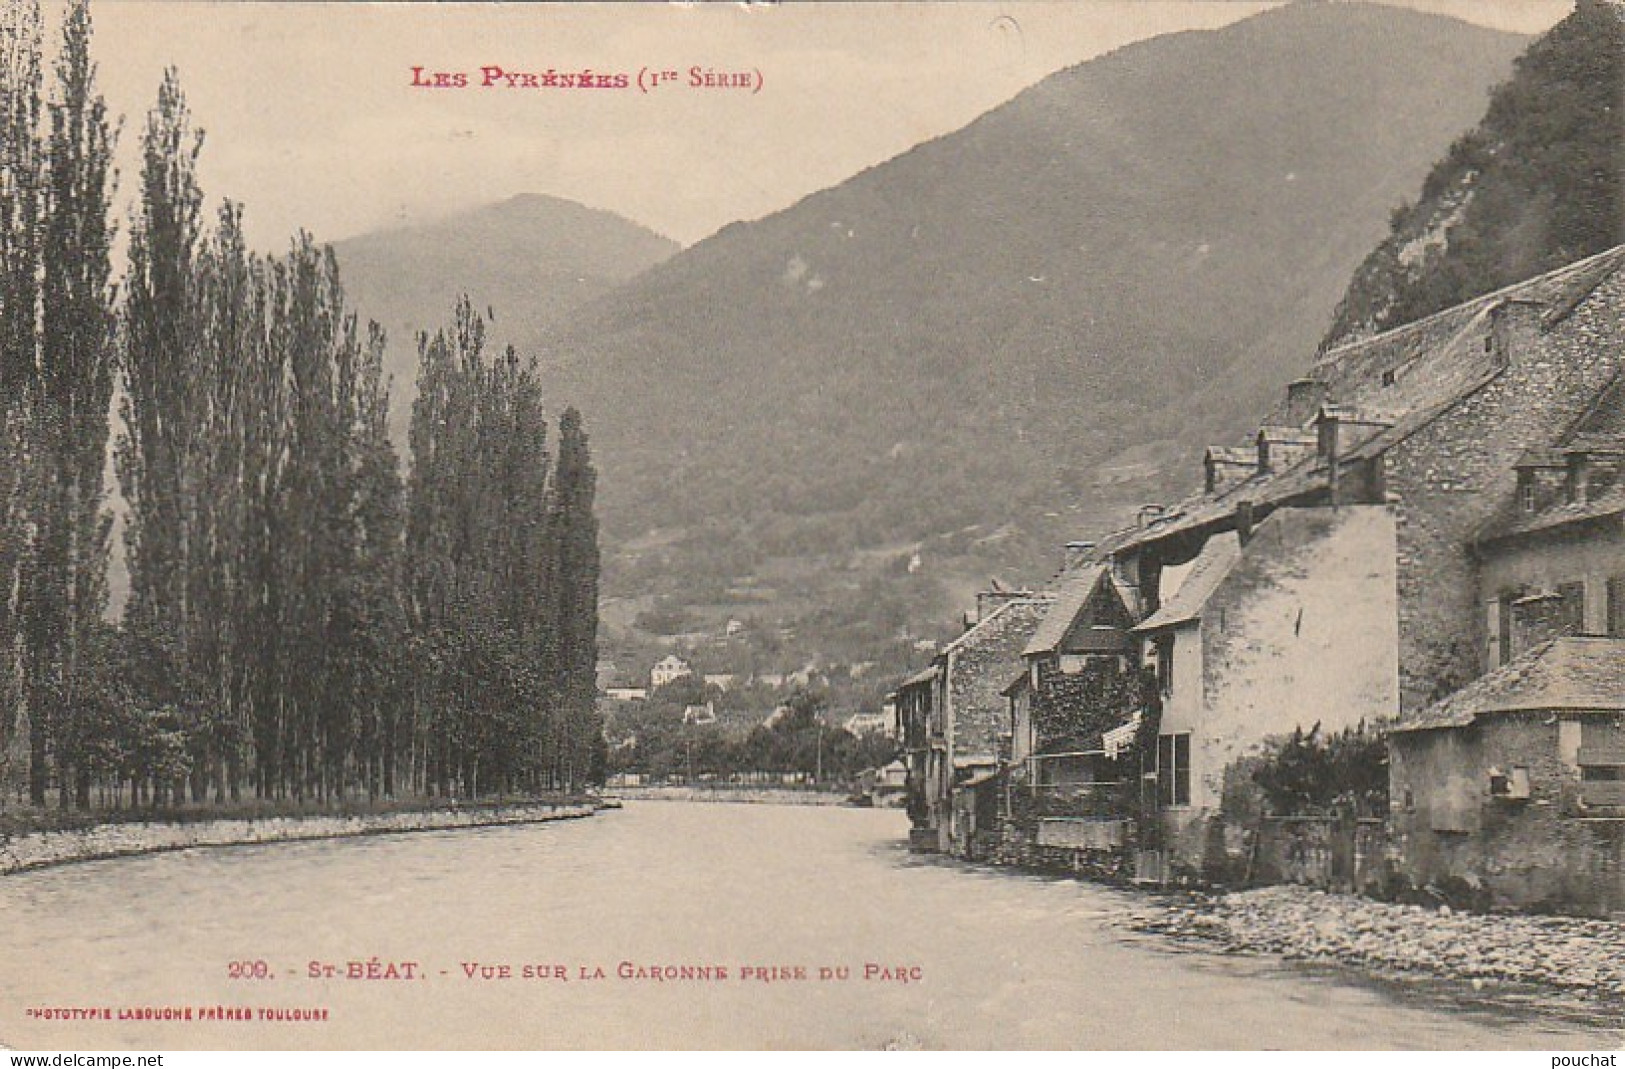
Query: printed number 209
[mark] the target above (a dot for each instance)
(248, 970)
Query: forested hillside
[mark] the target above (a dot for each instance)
(1538, 183)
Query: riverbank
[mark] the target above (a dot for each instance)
(750, 795)
(20, 851)
(1568, 955)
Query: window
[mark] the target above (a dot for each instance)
(1511, 784)
(1526, 496)
(1504, 628)
(1616, 606)
(1174, 770)
(1390, 377)
(1165, 664)
(1602, 765)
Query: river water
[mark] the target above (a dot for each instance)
(971, 957)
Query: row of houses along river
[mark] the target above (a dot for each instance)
(1425, 540)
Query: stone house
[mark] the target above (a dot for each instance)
(1553, 561)
(954, 718)
(1514, 787)
(1288, 624)
(1087, 628)
(925, 758)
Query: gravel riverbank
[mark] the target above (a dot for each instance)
(1569, 954)
(36, 849)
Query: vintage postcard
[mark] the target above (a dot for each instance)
(1086, 525)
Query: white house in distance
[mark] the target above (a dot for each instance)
(700, 714)
(668, 669)
(861, 724)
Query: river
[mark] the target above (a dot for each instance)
(973, 957)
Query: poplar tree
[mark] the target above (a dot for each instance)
(223, 641)
(69, 592)
(21, 192)
(574, 604)
(164, 376)
(479, 560)
(165, 394)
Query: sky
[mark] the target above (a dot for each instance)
(312, 120)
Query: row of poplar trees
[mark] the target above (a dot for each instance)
(302, 623)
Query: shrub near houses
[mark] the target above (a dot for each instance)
(1307, 808)
(1315, 774)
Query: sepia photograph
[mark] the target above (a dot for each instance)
(894, 526)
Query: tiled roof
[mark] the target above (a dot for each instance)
(1600, 430)
(1214, 563)
(1609, 504)
(1435, 363)
(1607, 415)
(1563, 673)
(1233, 454)
(1027, 609)
(1071, 595)
(1595, 442)
(1541, 458)
(925, 675)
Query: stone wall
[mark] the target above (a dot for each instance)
(1329, 853)
(1302, 631)
(1017, 845)
(37, 849)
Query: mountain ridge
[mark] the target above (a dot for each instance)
(531, 259)
(1009, 335)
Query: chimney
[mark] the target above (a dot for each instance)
(1515, 329)
(988, 602)
(1244, 521)
(1223, 468)
(1579, 479)
(1076, 553)
(1541, 616)
(1279, 448)
(1303, 400)
(1327, 431)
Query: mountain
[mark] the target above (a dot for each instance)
(1538, 183)
(531, 259)
(845, 414)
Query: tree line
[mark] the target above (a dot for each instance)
(654, 741)
(303, 622)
